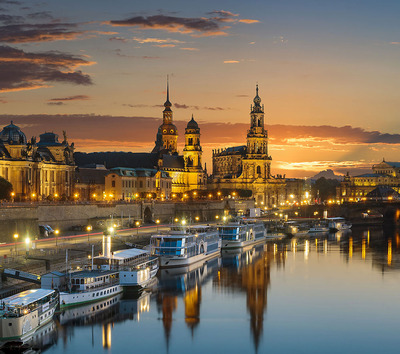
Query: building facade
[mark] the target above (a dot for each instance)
(133, 183)
(249, 166)
(36, 170)
(357, 188)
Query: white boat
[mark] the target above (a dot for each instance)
(183, 246)
(24, 313)
(136, 267)
(88, 286)
(338, 224)
(242, 233)
(318, 228)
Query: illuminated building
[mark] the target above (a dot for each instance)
(126, 183)
(249, 167)
(36, 170)
(385, 175)
(186, 170)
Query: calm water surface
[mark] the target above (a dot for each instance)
(327, 294)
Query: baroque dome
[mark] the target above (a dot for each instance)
(12, 134)
(192, 124)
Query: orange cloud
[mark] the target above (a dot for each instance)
(247, 20)
(231, 61)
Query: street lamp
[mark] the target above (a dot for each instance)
(16, 238)
(56, 231)
(27, 242)
(217, 217)
(157, 222)
(137, 223)
(197, 218)
(88, 228)
(12, 196)
(183, 222)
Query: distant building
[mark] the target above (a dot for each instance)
(131, 183)
(90, 182)
(249, 167)
(357, 188)
(36, 170)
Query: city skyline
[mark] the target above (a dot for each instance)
(327, 74)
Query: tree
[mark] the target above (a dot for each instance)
(324, 188)
(5, 189)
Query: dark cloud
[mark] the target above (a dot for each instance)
(185, 106)
(71, 98)
(21, 70)
(123, 55)
(10, 19)
(55, 103)
(10, 2)
(204, 26)
(26, 33)
(242, 96)
(41, 15)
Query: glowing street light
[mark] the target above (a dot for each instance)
(137, 223)
(157, 222)
(217, 217)
(197, 218)
(15, 238)
(56, 232)
(27, 243)
(176, 219)
(88, 229)
(183, 222)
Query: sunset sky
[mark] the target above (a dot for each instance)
(328, 73)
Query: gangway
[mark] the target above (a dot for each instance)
(21, 275)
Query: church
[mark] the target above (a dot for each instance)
(249, 166)
(186, 170)
(36, 170)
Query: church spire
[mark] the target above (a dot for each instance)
(167, 103)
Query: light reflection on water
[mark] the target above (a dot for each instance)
(330, 293)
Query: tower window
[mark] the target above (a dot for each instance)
(259, 170)
(190, 141)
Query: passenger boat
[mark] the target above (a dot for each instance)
(88, 286)
(23, 313)
(319, 227)
(338, 224)
(242, 233)
(136, 267)
(185, 245)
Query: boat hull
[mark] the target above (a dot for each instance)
(75, 299)
(171, 262)
(241, 244)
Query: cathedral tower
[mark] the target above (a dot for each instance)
(192, 151)
(168, 129)
(257, 163)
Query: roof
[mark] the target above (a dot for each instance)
(393, 164)
(54, 272)
(90, 175)
(117, 159)
(48, 139)
(371, 175)
(91, 273)
(173, 161)
(26, 297)
(233, 150)
(128, 253)
(383, 192)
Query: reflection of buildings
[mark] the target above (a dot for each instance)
(382, 246)
(250, 272)
(187, 283)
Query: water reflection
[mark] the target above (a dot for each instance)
(185, 282)
(249, 272)
(289, 274)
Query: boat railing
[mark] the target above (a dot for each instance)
(112, 282)
(140, 266)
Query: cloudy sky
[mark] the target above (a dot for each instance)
(328, 72)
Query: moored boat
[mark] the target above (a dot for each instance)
(242, 233)
(136, 267)
(24, 313)
(183, 246)
(338, 224)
